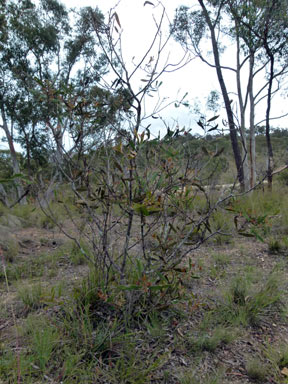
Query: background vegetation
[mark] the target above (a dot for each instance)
(130, 258)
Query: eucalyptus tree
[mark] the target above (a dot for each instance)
(30, 39)
(189, 28)
(268, 24)
(262, 27)
(235, 21)
(50, 71)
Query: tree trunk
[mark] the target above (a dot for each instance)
(252, 142)
(15, 163)
(232, 127)
(270, 159)
(242, 107)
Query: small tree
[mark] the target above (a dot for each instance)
(142, 219)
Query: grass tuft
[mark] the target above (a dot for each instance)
(256, 370)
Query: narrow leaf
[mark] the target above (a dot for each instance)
(148, 2)
(213, 128)
(148, 132)
(117, 19)
(213, 118)
(200, 124)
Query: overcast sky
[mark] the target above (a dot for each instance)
(137, 32)
(196, 78)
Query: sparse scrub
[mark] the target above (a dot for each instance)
(37, 296)
(3, 209)
(46, 222)
(217, 268)
(44, 339)
(257, 370)
(221, 259)
(210, 342)
(136, 209)
(245, 304)
(10, 248)
(156, 326)
(278, 246)
(31, 296)
(76, 255)
(193, 377)
(274, 246)
(222, 223)
(18, 271)
(277, 355)
(9, 367)
(24, 212)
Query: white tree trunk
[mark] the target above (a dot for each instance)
(15, 163)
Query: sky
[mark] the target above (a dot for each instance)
(138, 29)
(196, 78)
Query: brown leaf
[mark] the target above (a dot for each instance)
(117, 19)
(285, 371)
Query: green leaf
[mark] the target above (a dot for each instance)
(256, 234)
(129, 287)
(159, 287)
(141, 208)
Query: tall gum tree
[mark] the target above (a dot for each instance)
(29, 38)
(263, 27)
(190, 34)
(235, 21)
